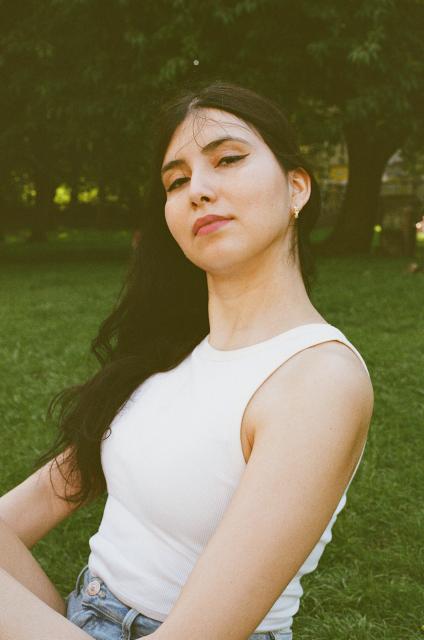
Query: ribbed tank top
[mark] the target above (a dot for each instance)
(172, 463)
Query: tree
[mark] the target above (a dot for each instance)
(369, 60)
(354, 68)
(85, 76)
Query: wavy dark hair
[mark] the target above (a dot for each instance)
(161, 312)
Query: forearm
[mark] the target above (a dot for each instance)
(228, 593)
(33, 508)
(23, 616)
(19, 563)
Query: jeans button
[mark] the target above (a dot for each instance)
(93, 588)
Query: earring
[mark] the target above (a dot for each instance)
(296, 212)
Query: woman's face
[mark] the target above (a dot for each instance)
(238, 178)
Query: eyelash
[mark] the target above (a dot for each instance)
(232, 160)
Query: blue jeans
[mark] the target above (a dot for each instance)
(92, 607)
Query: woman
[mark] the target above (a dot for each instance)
(228, 417)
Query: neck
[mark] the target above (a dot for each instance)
(251, 304)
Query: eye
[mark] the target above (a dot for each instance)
(226, 160)
(231, 159)
(176, 183)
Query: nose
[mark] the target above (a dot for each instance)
(202, 188)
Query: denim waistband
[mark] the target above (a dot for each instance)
(92, 594)
(78, 580)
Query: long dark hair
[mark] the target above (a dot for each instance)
(162, 310)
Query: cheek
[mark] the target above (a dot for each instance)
(175, 221)
(167, 213)
(263, 183)
(171, 217)
(265, 198)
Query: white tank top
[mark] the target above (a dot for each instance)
(172, 463)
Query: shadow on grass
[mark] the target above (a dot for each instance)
(67, 247)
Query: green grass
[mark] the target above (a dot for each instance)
(66, 245)
(369, 583)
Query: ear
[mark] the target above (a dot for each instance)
(299, 187)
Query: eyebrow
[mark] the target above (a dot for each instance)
(209, 147)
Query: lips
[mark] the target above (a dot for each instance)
(201, 222)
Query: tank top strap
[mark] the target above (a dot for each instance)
(233, 376)
(279, 348)
(311, 335)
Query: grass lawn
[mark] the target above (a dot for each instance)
(369, 584)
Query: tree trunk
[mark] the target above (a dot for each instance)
(369, 151)
(40, 218)
(74, 187)
(2, 220)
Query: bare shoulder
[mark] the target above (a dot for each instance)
(327, 378)
(336, 362)
(333, 358)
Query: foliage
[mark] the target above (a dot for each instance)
(84, 77)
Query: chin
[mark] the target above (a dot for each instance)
(221, 256)
(220, 266)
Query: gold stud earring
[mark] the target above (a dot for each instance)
(296, 212)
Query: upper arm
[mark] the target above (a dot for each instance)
(34, 507)
(315, 413)
(312, 424)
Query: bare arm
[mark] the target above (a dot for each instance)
(23, 616)
(308, 439)
(27, 513)
(33, 508)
